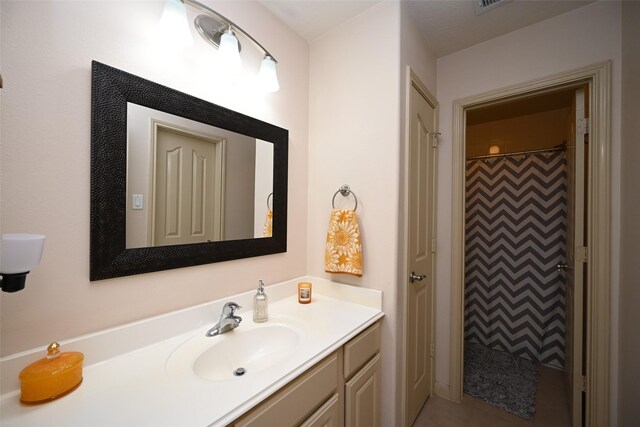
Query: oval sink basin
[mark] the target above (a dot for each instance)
(220, 358)
(250, 349)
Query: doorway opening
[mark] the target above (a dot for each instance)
(587, 386)
(522, 167)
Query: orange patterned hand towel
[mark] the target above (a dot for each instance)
(344, 249)
(268, 224)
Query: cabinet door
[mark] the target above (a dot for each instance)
(328, 415)
(362, 395)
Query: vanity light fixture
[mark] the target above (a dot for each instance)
(229, 52)
(20, 254)
(222, 33)
(268, 77)
(173, 27)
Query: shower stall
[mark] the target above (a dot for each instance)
(515, 238)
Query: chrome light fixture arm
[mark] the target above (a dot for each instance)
(226, 23)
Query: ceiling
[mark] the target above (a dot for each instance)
(447, 25)
(521, 107)
(313, 18)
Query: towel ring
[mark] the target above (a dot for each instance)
(345, 190)
(270, 196)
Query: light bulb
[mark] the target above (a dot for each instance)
(268, 77)
(173, 28)
(229, 53)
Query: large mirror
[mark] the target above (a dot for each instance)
(177, 181)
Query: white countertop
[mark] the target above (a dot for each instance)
(135, 388)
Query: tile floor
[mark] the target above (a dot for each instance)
(551, 408)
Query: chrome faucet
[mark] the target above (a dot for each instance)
(228, 320)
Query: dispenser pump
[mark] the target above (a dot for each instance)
(260, 305)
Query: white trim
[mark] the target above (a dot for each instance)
(598, 315)
(441, 390)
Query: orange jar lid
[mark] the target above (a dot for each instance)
(51, 376)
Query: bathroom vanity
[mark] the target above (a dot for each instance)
(343, 389)
(307, 365)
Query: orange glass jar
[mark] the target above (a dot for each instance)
(52, 376)
(304, 292)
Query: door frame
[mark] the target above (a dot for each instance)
(597, 314)
(412, 80)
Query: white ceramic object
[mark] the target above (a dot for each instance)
(251, 346)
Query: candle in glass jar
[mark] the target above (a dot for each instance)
(304, 292)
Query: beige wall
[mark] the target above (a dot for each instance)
(353, 139)
(356, 133)
(529, 132)
(582, 37)
(629, 371)
(45, 131)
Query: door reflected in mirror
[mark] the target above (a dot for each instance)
(190, 182)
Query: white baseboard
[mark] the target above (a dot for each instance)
(441, 390)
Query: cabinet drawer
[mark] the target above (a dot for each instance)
(329, 415)
(297, 400)
(361, 349)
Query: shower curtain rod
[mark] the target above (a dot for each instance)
(518, 153)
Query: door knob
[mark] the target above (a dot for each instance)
(563, 266)
(413, 277)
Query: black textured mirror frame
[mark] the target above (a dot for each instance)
(110, 91)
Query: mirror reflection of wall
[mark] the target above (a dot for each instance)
(189, 182)
(263, 188)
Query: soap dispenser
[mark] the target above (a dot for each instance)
(260, 305)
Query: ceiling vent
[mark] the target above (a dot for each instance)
(483, 6)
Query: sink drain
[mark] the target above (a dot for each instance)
(239, 372)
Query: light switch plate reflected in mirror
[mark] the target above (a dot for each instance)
(137, 201)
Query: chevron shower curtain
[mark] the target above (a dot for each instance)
(516, 221)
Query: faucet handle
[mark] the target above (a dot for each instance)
(230, 308)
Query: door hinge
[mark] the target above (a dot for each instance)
(436, 136)
(433, 245)
(583, 126)
(432, 350)
(583, 383)
(581, 253)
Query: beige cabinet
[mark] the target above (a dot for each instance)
(362, 396)
(362, 376)
(317, 397)
(329, 414)
(296, 401)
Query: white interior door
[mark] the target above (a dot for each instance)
(187, 189)
(419, 351)
(576, 257)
